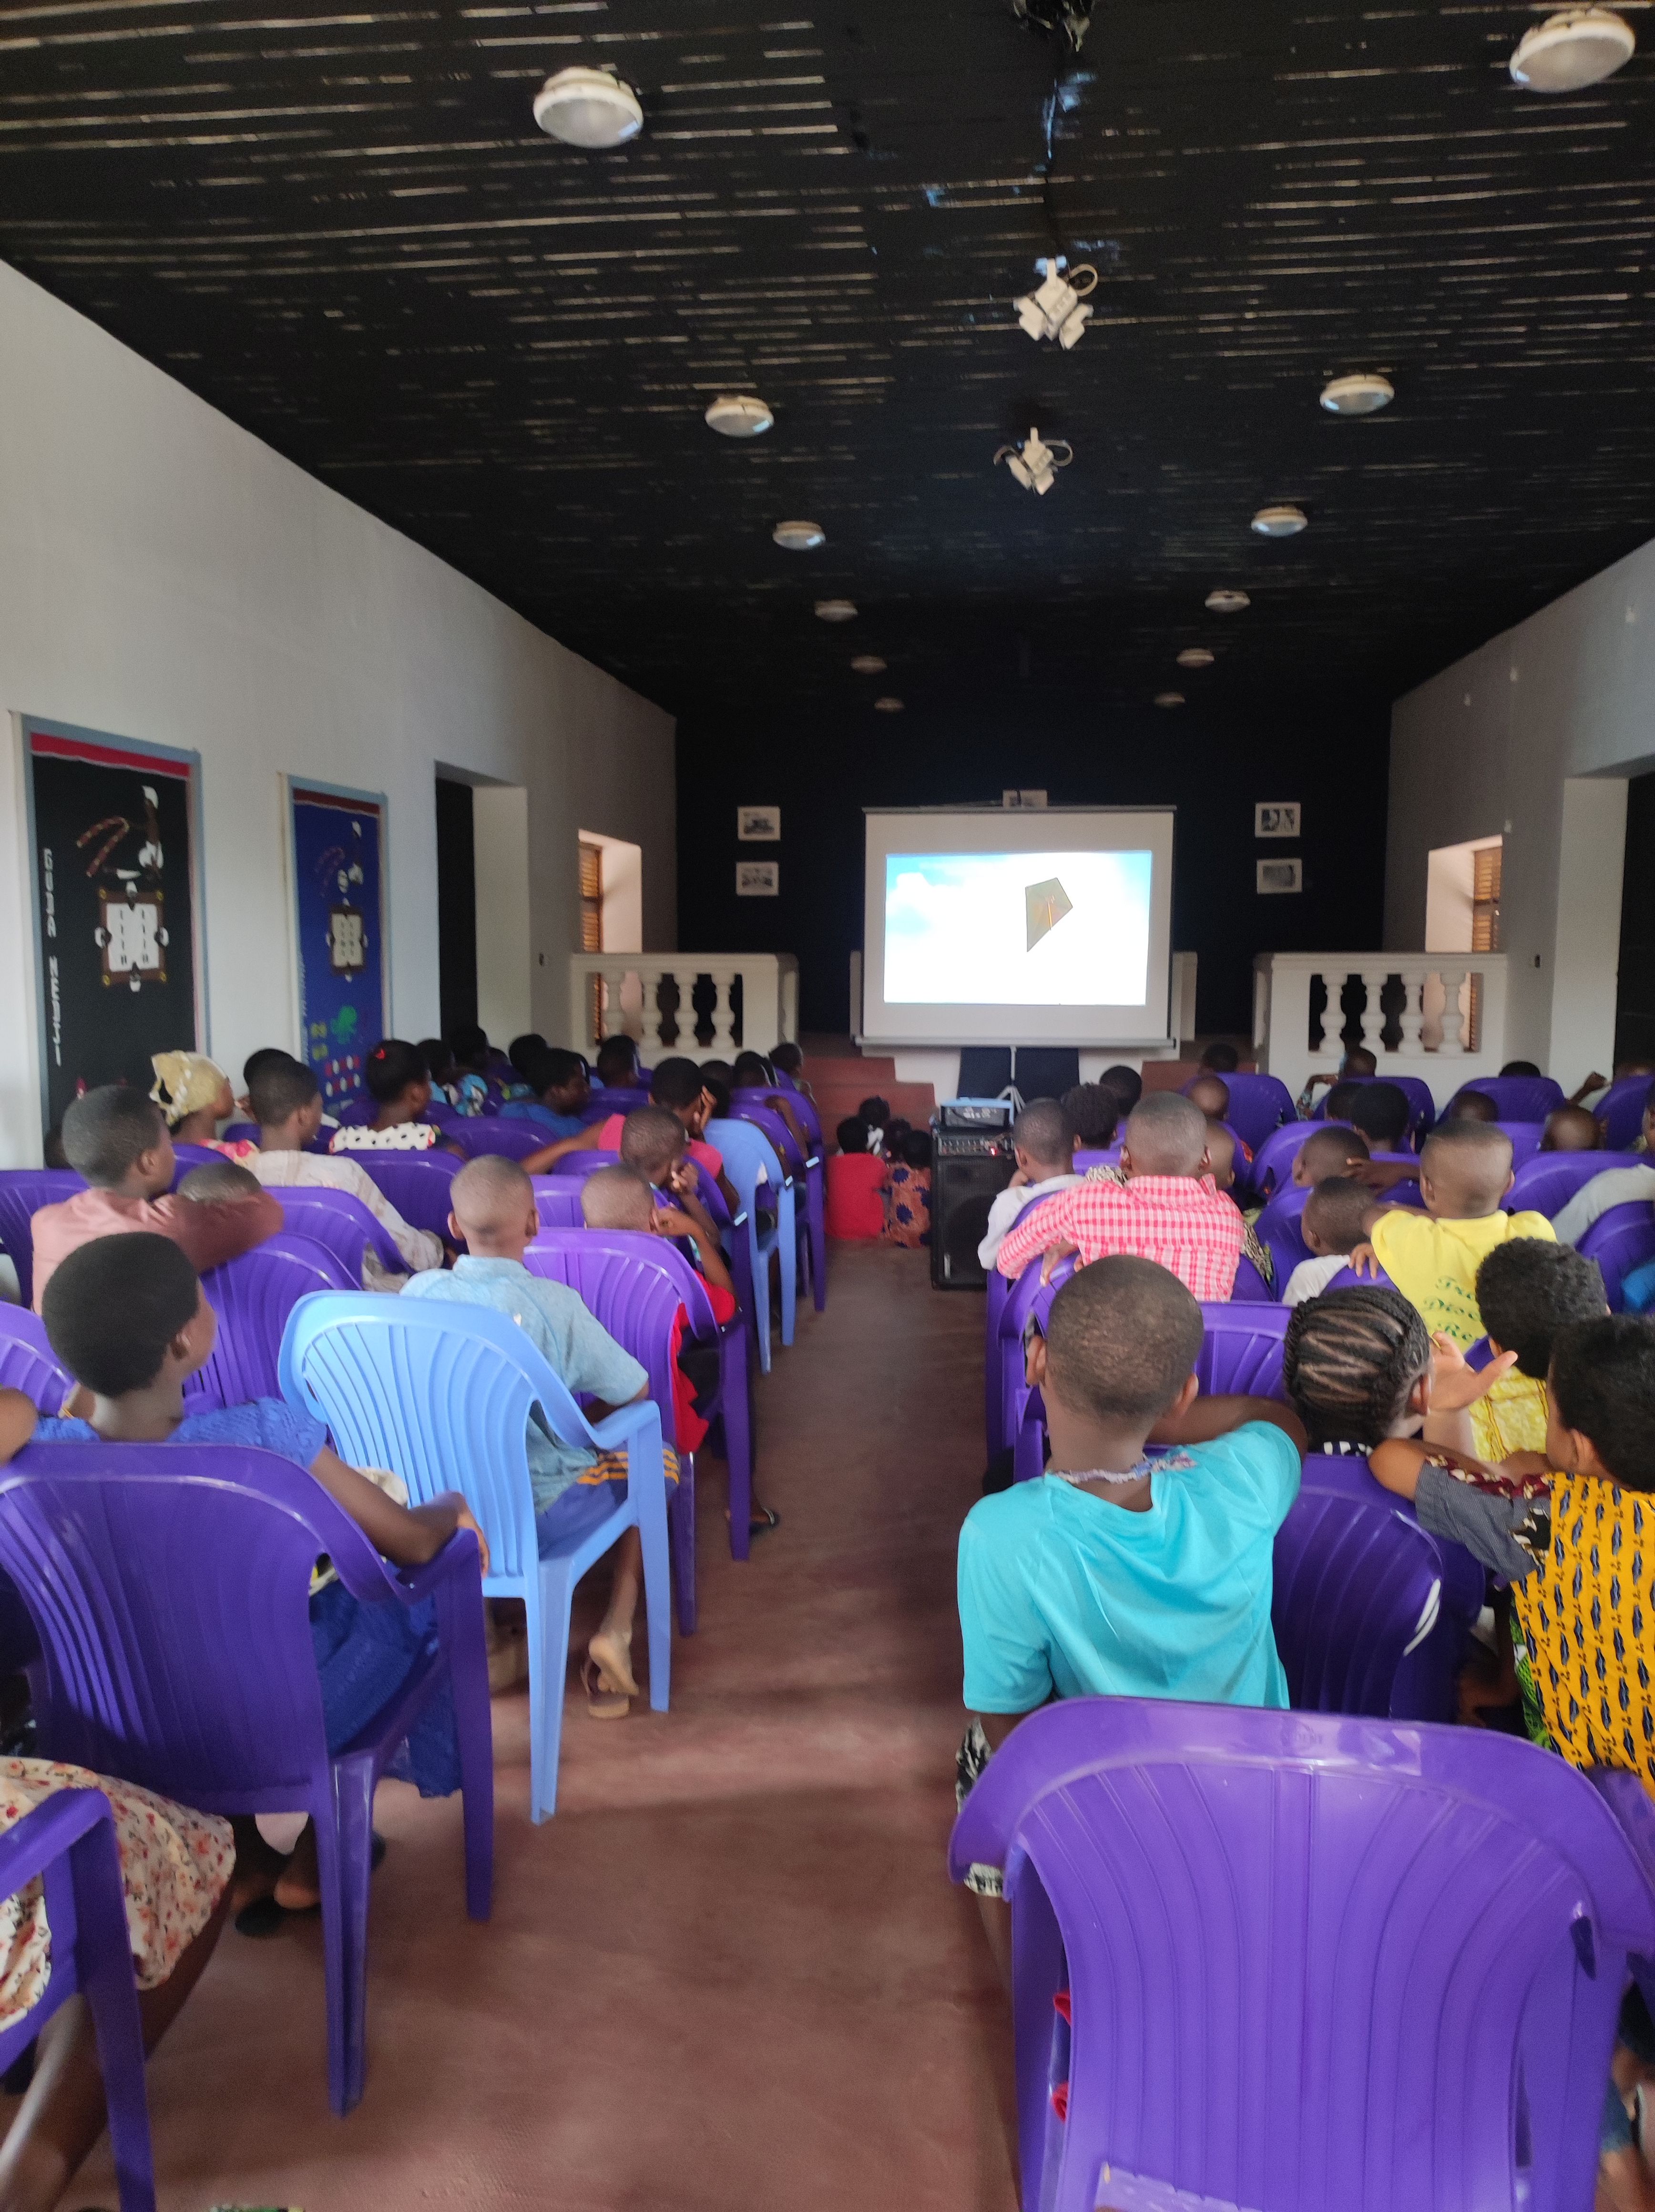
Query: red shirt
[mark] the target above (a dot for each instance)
(1186, 1226)
(690, 1427)
(608, 1140)
(855, 1208)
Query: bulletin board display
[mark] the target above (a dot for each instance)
(112, 839)
(337, 859)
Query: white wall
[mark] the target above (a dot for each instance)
(165, 577)
(1534, 736)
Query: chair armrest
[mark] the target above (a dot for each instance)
(626, 1423)
(815, 1161)
(459, 1557)
(47, 1832)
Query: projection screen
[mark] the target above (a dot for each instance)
(1043, 925)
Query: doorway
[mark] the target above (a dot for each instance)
(457, 908)
(1635, 996)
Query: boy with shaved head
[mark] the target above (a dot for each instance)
(1166, 1207)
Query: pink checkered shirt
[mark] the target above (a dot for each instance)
(1188, 1225)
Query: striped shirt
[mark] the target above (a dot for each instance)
(1182, 1223)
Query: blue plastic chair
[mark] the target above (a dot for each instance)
(69, 1845)
(1272, 1163)
(752, 1166)
(1422, 1107)
(511, 1139)
(1289, 1959)
(23, 1192)
(442, 1395)
(169, 1585)
(253, 1297)
(810, 1174)
(1619, 1241)
(1526, 1139)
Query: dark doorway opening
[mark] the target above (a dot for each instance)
(1635, 999)
(457, 908)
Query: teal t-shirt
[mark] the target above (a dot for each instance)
(1062, 1593)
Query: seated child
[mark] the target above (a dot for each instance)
(555, 1092)
(286, 1102)
(873, 1112)
(399, 1084)
(678, 1085)
(1571, 1129)
(117, 1139)
(1093, 1111)
(1526, 1290)
(1329, 1152)
(1465, 1170)
(493, 1215)
(1472, 1106)
(857, 1178)
(128, 1318)
(1125, 1085)
(1222, 1057)
(752, 1072)
(1381, 1112)
(1614, 1186)
(789, 1060)
(1115, 1575)
(465, 1078)
(194, 1093)
(1212, 1095)
(1221, 1146)
(616, 1064)
(907, 1198)
(1359, 1060)
(1043, 1142)
(1334, 1221)
(524, 1051)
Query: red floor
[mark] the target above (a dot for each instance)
(731, 1973)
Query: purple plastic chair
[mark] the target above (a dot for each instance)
(1619, 1241)
(1250, 1287)
(193, 1156)
(748, 1106)
(1519, 1098)
(1241, 1351)
(1024, 1409)
(1547, 1183)
(623, 1099)
(1280, 1230)
(69, 1843)
(1348, 1280)
(511, 1139)
(1526, 1139)
(1621, 1111)
(1281, 1959)
(635, 1284)
(582, 1163)
(23, 1192)
(1096, 1156)
(342, 1224)
(253, 1297)
(1272, 1163)
(417, 1184)
(557, 1201)
(1422, 1109)
(28, 1362)
(169, 1585)
(1627, 1799)
(1258, 1103)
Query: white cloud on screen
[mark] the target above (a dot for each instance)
(956, 929)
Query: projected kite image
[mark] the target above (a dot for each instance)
(1016, 929)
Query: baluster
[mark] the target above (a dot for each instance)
(1372, 1014)
(614, 1012)
(653, 1043)
(1412, 1016)
(1453, 1015)
(723, 1014)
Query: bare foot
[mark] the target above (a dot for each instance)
(299, 1887)
(612, 1656)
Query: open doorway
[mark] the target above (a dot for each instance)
(1462, 914)
(483, 954)
(611, 920)
(457, 908)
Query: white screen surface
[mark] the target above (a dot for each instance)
(1037, 926)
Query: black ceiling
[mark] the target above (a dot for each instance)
(341, 225)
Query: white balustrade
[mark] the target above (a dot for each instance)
(1450, 1027)
(626, 1001)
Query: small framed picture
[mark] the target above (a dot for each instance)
(762, 879)
(758, 825)
(1280, 820)
(1281, 875)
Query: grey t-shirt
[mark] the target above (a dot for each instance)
(1509, 1535)
(1614, 1187)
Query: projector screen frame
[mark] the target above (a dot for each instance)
(909, 1025)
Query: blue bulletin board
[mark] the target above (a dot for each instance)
(338, 883)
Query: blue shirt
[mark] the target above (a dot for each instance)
(531, 1109)
(1063, 1592)
(579, 1351)
(267, 1423)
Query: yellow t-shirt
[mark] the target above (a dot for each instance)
(1434, 1263)
(1510, 1419)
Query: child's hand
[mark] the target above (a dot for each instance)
(1364, 1261)
(683, 1179)
(1019, 1180)
(669, 1222)
(1453, 1384)
(1055, 1257)
(463, 1520)
(1379, 1175)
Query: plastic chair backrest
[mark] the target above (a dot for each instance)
(341, 1223)
(1213, 1885)
(765, 1118)
(749, 1158)
(1422, 1106)
(511, 1140)
(1619, 1241)
(192, 1156)
(1621, 1111)
(417, 1184)
(579, 1166)
(557, 1201)
(1547, 1183)
(1348, 1280)
(1258, 1103)
(1525, 1138)
(253, 1297)
(624, 1098)
(628, 1283)
(1241, 1351)
(1519, 1098)
(28, 1362)
(1272, 1163)
(1280, 1228)
(1096, 1156)
(1250, 1287)
(1358, 1587)
(23, 1192)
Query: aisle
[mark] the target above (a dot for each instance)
(731, 1973)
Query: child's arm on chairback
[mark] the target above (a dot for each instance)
(408, 1535)
(1208, 1418)
(541, 1163)
(695, 1223)
(18, 1415)
(1509, 1535)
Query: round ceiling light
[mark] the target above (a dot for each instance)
(1357, 395)
(1195, 656)
(869, 664)
(588, 108)
(888, 706)
(1169, 698)
(799, 537)
(836, 610)
(1279, 521)
(1567, 53)
(738, 415)
(1223, 602)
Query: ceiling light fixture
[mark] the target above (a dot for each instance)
(1224, 602)
(1279, 521)
(738, 415)
(1055, 310)
(1169, 698)
(1567, 53)
(1034, 464)
(799, 537)
(869, 664)
(1357, 395)
(836, 610)
(888, 706)
(1195, 656)
(588, 108)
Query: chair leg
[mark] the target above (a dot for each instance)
(103, 1959)
(460, 1630)
(817, 1219)
(733, 1405)
(549, 1667)
(681, 1537)
(658, 1600)
(345, 1859)
(787, 1245)
(762, 1307)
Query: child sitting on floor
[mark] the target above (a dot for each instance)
(907, 1197)
(1328, 1152)
(556, 1093)
(1043, 1141)
(117, 1139)
(857, 1178)
(127, 1317)
(1334, 1221)
(399, 1084)
(494, 1215)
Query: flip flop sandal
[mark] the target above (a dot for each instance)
(264, 1916)
(613, 1659)
(762, 1520)
(602, 1703)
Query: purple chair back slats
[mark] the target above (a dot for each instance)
(1525, 1138)
(28, 1362)
(1621, 1111)
(193, 1156)
(1319, 1920)
(748, 1106)
(1272, 1162)
(1547, 1183)
(1519, 1098)
(514, 1140)
(342, 1224)
(1358, 1587)
(417, 1184)
(1250, 1287)
(1280, 1230)
(1258, 1103)
(580, 1164)
(252, 1297)
(557, 1201)
(1241, 1351)
(23, 1192)
(624, 1098)
(1095, 1155)
(1348, 1280)
(1619, 1241)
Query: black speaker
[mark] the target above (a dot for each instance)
(969, 1169)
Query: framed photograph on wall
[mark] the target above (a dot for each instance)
(336, 868)
(113, 837)
(758, 825)
(1278, 820)
(1281, 875)
(758, 879)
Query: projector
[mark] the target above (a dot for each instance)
(974, 1113)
